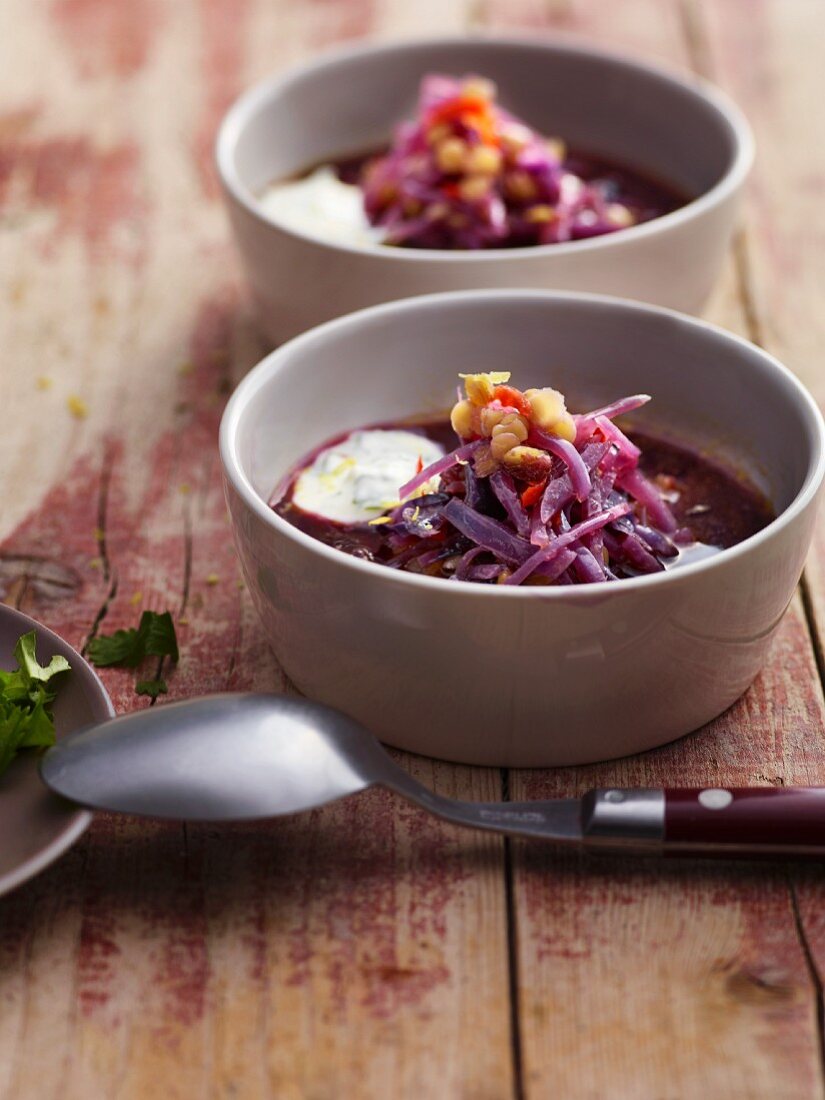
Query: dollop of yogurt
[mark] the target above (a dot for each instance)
(357, 479)
(323, 205)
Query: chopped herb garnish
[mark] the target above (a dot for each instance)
(154, 637)
(152, 688)
(26, 696)
(123, 649)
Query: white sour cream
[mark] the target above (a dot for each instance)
(322, 205)
(357, 479)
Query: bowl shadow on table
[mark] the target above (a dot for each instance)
(625, 871)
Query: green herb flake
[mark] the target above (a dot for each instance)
(123, 649)
(154, 637)
(152, 688)
(159, 633)
(26, 696)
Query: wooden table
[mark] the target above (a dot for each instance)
(363, 950)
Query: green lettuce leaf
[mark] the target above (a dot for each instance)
(26, 696)
(26, 657)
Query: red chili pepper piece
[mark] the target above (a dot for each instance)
(472, 110)
(507, 395)
(533, 493)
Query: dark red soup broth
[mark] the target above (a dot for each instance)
(713, 506)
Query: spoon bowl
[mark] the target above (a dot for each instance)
(235, 757)
(219, 758)
(246, 756)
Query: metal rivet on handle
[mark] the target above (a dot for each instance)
(715, 798)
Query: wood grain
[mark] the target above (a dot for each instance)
(361, 950)
(683, 982)
(765, 54)
(767, 60)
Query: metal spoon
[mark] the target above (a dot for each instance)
(246, 756)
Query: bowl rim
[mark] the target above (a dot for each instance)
(260, 375)
(81, 816)
(247, 104)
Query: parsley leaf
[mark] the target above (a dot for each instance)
(152, 688)
(154, 637)
(26, 696)
(123, 649)
(159, 634)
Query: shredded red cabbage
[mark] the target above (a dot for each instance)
(645, 492)
(461, 454)
(467, 174)
(505, 489)
(486, 532)
(577, 470)
(575, 534)
(532, 495)
(585, 424)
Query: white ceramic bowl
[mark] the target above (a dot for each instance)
(684, 132)
(522, 676)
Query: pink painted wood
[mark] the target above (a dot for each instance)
(364, 950)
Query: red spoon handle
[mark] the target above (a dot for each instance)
(770, 821)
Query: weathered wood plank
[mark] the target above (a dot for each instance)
(640, 980)
(360, 950)
(669, 980)
(649, 30)
(769, 55)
